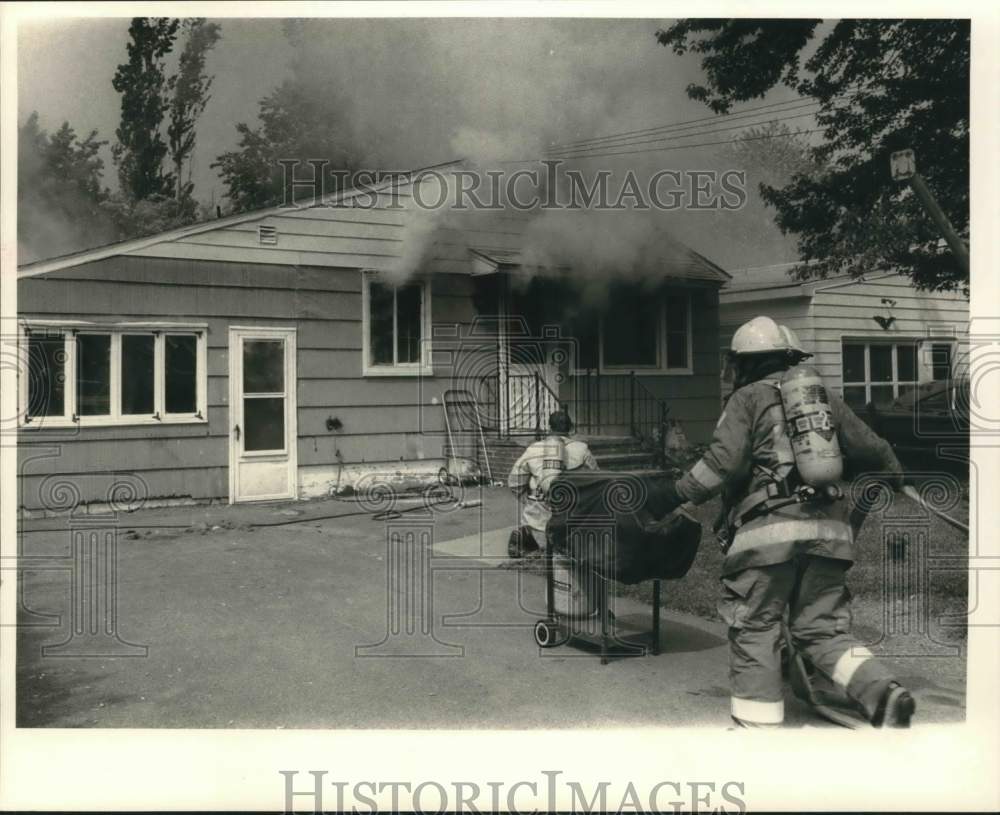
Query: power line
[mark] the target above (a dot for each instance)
(782, 107)
(585, 151)
(791, 104)
(685, 146)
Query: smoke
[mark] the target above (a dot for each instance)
(482, 148)
(495, 92)
(418, 92)
(593, 246)
(421, 230)
(55, 214)
(44, 231)
(424, 91)
(597, 246)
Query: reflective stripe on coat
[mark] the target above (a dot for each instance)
(528, 472)
(752, 432)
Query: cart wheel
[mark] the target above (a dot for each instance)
(549, 634)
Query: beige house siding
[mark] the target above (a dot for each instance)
(825, 313)
(846, 311)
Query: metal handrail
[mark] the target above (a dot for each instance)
(597, 404)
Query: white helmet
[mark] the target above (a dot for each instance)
(763, 335)
(793, 341)
(759, 335)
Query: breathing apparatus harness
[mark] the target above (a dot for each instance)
(818, 462)
(776, 494)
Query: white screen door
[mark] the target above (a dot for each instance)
(262, 438)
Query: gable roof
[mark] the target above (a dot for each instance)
(384, 232)
(136, 244)
(774, 282)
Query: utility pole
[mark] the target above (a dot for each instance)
(904, 168)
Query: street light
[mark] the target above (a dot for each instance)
(903, 165)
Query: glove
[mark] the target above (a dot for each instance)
(663, 498)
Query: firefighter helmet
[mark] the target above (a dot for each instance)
(758, 336)
(793, 341)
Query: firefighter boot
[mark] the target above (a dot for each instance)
(521, 542)
(896, 708)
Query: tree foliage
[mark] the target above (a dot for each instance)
(60, 196)
(770, 155)
(879, 86)
(145, 96)
(152, 214)
(298, 121)
(62, 203)
(190, 96)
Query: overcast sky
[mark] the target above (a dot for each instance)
(417, 92)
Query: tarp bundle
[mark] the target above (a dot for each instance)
(599, 519)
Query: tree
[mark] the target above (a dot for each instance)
(879, 86)
(771, 155)
(298, 121)
(145, 96)
(190, 96)
(60, 194)
(150, 215)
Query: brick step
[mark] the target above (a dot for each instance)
(609, 445)
(625, 461)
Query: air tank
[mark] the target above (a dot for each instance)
(811, 429)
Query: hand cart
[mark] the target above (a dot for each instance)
(600, 533)
(559, 628)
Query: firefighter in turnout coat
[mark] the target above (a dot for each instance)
(531, 475)
(791, 560)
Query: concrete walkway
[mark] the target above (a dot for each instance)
(345, 621)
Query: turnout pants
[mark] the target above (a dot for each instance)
(813, 591)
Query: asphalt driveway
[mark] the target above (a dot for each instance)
(316, 615)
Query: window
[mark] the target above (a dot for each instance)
(583, 328)
(678, 331)
(46, 375)
(877, 372)
(940, 362)
(637, 331)
(264, 395)
(631, 330)
(114, 375)
(395, 324)
(180, 380)
(139, 374)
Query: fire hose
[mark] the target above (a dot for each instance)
(910, 492)
(858, 514)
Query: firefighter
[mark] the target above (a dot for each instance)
(532, 474)
(786, 556)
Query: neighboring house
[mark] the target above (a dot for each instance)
(873, 339)
(283, 353)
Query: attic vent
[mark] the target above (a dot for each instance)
(267, 235)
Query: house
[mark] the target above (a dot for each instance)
(282, 353)
(873, 339)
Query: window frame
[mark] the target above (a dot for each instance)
(71, 329)
(895, 382)
(660, 368)
(950, 347)
(423, 366)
